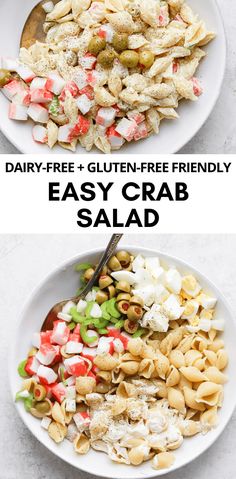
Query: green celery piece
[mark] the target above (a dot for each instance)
(21, 369)
(113, 320)
(119, 324)
(83, 333)
(88, 308)
(100, 323)
(95, 288)
(105, 313)
(103, 331)
(28, 402)
(71, 325)
(82, 266)
(138, 333)
(111, 308)
(88, 321)
(54, 106)
(18, 396)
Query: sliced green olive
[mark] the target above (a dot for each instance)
(120, 42)
(129, 59)
(130, 326)
(101, 297)
(96, 45)
(123, 306)
(146, 58)
(39, 392)
(111, 291)
(88, 274)
(114, 264)
(106, 58)
(123, 286)
(134, 313)
(5, 77)
(123, 257)
(43, 407)
(123, 296)
(105, 281)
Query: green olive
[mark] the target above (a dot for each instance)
(111, 291)
(134, 312)
(120, 42)
(106, 58)
(43, 407)
(39, 392)
(32, 352)
(129, 58)
(104, 270)
(105, 281)
(123, 296)
(130, 326)
(96, 45)
(5, 77)
(123, 306)
(88, 274)
(123, 257)
(146, 58)
(137, 300)
(123, 286)
(101, 297)
(114, 264)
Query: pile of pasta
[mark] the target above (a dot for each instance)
(140, 97)
(163, 388)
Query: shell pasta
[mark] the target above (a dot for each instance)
(134, 369)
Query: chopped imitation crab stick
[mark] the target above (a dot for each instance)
(82, 125)
(106, 116)
(32, 366)
(88, 91)
(107, 32)
(76, 366)
(67, 133)
(127, 128)
(41, 338)
(23, 97)
(25, 73)
(197, 89)
(18, 112)
(55, 83)
(114, 138)
(46, 375)
(46, 354)
(89, 353)
(113, 332)
(175, 67)
(88, 61)
(136, 116)
(94, 77)
(41, 95)
(73, 347)
(82, 420)
(84, 104)
(60, 333)
(105, 345)
(141, 132)
(59, 392)
(40, 134)
(125, 338)
(12, 88)
(80, 79)
(71, 88)
(38, 82)
(38, 113)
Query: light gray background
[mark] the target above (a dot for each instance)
(218, 134)
(24, 261)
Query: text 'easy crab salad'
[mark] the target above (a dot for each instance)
(108, 73)
(134, 368)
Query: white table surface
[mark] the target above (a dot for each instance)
(24, 261)
(218, 133)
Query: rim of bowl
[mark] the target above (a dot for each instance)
(11, 364)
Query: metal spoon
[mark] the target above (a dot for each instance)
(52, 315)
(33, 28)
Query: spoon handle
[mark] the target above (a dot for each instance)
(103, 261)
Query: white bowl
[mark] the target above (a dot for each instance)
(173, 134)
(62, 283)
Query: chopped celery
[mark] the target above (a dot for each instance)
(82, 266)
(86, 339)
(89, 306)
(105, 313)
(21, 369)
(28, 402)
(119, 324)
(77, 318)
(103, 331)
(112, 309)
(54, 106)
(138, 333)
(100, 323)
(71, 325)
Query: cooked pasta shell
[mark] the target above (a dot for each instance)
(57, 413)
(61, 9)
(177, 358)
(126, 390)
(185, 344)
(189, 428)
(193, 374)
(176, 399)
(209, 419)
(162, 389)
(135, 346)
(190, 399)
(216, 345)
(85, 385)
(146, 368)
(208, 393)
(163, 460)
(138, 454)
(162, 365)
(118, 407)
(222, 359)
(173, 377)
(191, 356)
(213, 374)
(122, 22)
(81, 444)
(106, 362)
(129, 367)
